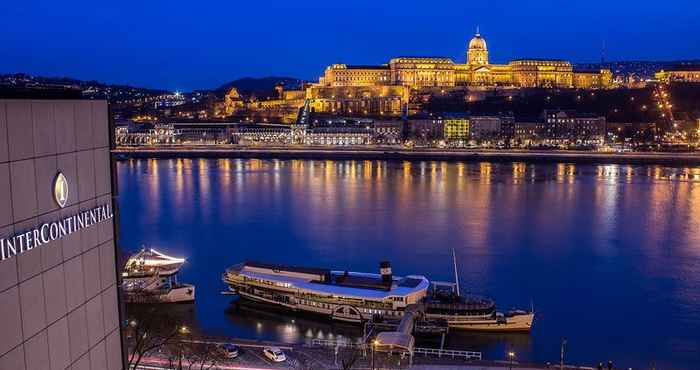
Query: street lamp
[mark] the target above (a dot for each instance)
(511, 357)
(561, 360)
(184, 329)
(374, 344)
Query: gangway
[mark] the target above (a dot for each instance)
(401, 340)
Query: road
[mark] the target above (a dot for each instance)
(324, 358)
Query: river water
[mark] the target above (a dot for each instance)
(609, 255)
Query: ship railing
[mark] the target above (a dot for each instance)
(335, 343)
(467, 355)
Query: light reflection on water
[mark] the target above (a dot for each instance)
(610, 254)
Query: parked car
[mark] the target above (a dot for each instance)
(229, 350)
(274, 354)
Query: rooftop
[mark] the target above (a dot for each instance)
(355, 284)
(538, 60)
(367, 66)
(278, 267)
(43, 93)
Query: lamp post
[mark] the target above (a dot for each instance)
(511, 357)
(183, 330)
(561, 359)
(374, 344)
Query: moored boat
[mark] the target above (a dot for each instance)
(152, 277)
(473, 312)
(340, 295)
(356, 297)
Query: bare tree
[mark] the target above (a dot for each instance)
(203, 356)
(148, 330)
(349, 358)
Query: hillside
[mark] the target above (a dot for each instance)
(259, 86)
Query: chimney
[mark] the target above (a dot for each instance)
(385, 271)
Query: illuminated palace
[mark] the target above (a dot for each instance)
(382, 88)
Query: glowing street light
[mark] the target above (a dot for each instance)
(374, 345)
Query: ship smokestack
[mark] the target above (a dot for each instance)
(385, 271)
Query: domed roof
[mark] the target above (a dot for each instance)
(477, 43)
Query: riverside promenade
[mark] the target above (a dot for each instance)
(395, 153)
(307, 356)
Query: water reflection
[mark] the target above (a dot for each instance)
(590, 244)
(285, 327)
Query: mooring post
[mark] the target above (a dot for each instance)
(442, 341)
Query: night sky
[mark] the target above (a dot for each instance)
(188, 45)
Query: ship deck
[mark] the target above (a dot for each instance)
(357, 285)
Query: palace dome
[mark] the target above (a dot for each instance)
(477, 43)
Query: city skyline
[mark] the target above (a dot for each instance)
(203, 47)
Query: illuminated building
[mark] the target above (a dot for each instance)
(252, 134)
(425, 128)
(527, 132)
(569, 127)
(387, 132)
(160, 134)
(364, 89)
(491, 127)
(358, 100)
(232, 102)
(680, 73)
(283, 109)
(338, 136)
(456, 127)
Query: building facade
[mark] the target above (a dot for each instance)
(282, 108)
(425, 129)
(570, 127)
(441, 72)
(389, 132)
(58, 280)
(456, 127)
(680, 73)
(491, 127)
(383, 100)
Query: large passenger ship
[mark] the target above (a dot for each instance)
(356, 297)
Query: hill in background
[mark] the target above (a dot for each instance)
(263, 86)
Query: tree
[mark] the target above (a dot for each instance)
(188, 353)
(148, 331)
(349, 358)
(204, 356)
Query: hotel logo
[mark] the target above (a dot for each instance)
(60, 190)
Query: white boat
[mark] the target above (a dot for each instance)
(151, 277)
(340, 295)
(356, 297)
(473, 312)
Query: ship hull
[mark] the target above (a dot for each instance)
(181, 294)
(327, 312)
(517, 323)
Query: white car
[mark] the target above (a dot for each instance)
(274, 354)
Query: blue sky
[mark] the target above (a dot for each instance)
(187, 45)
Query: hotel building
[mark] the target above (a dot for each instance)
(58, 282)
